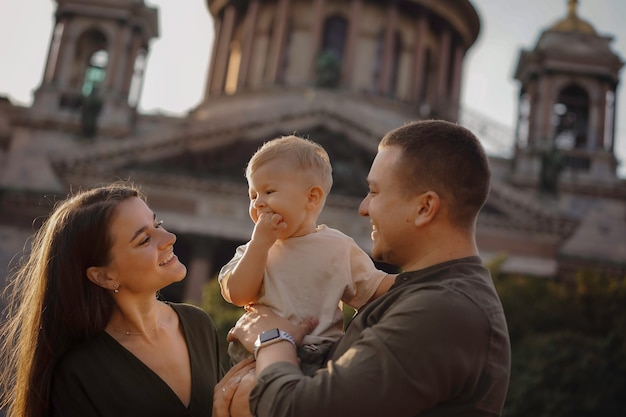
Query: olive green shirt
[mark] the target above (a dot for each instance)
(102, 378)
(436, 344)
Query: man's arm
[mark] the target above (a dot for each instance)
(403, 355)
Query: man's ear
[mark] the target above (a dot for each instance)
(98, 276)
(427, 207)
(315, 196)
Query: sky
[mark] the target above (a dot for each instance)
(178, 60)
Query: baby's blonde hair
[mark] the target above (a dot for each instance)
(303, 154)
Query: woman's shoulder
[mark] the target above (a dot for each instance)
(193, 316)
(86, 353)
(189, 311)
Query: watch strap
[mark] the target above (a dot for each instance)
(282, 336)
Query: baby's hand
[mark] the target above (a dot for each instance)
(268, 227)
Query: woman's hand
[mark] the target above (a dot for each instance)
(240, 405)
(225, 395)
(259, 318)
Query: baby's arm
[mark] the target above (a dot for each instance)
(243, 284)
(384, 286)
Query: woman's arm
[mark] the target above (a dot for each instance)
(231, 396)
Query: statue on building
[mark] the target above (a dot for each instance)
(552, 164)
(90, 110)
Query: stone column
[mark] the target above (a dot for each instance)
(531, 90)
(129, 72)
(457, 67)
(199, 269)
(612, 120)
(388, 49)
(64, 68)
(54, 51)
(217, 25)
(543, 111)
(597, 106)
(601, 144)
(277, 42)
(444, 65)
(248, 42)
(108, 84)
(124, 49)
(317, 21)
(353, 36)
(421, 31)
(220, 66)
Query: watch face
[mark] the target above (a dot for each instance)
(268, 335)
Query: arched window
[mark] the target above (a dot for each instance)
(394, 69)
(330, 59)
(334, 39)
(571, 118)
(90, 61)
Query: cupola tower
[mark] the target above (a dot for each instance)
(95, 64)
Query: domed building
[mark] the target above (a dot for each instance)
(340, 72)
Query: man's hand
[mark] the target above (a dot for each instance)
(259, 318)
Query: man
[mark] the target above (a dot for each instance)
(436, 344)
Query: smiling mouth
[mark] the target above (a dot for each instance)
(166, 260)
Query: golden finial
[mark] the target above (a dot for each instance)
(572, 5)
(572, 23)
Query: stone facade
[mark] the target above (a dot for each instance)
(384, 64)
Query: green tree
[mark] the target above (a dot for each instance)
(568, 343)
(224, 314)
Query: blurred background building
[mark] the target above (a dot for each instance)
(339, 72)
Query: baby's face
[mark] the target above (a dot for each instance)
(276, 187)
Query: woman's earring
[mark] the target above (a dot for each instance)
(115, 290)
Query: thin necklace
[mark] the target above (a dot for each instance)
(129, 333)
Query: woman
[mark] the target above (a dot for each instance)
(86, 334)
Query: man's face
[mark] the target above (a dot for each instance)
(391, 210)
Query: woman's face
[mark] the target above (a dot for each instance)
(142, 252)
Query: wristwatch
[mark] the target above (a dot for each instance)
(270, 337)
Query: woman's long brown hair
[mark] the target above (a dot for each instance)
(52, 306)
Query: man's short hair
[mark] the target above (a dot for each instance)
(445, 158)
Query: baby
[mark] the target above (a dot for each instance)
(298, 268)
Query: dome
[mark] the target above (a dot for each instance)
(573, 23)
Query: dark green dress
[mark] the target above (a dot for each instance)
(102, 378)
